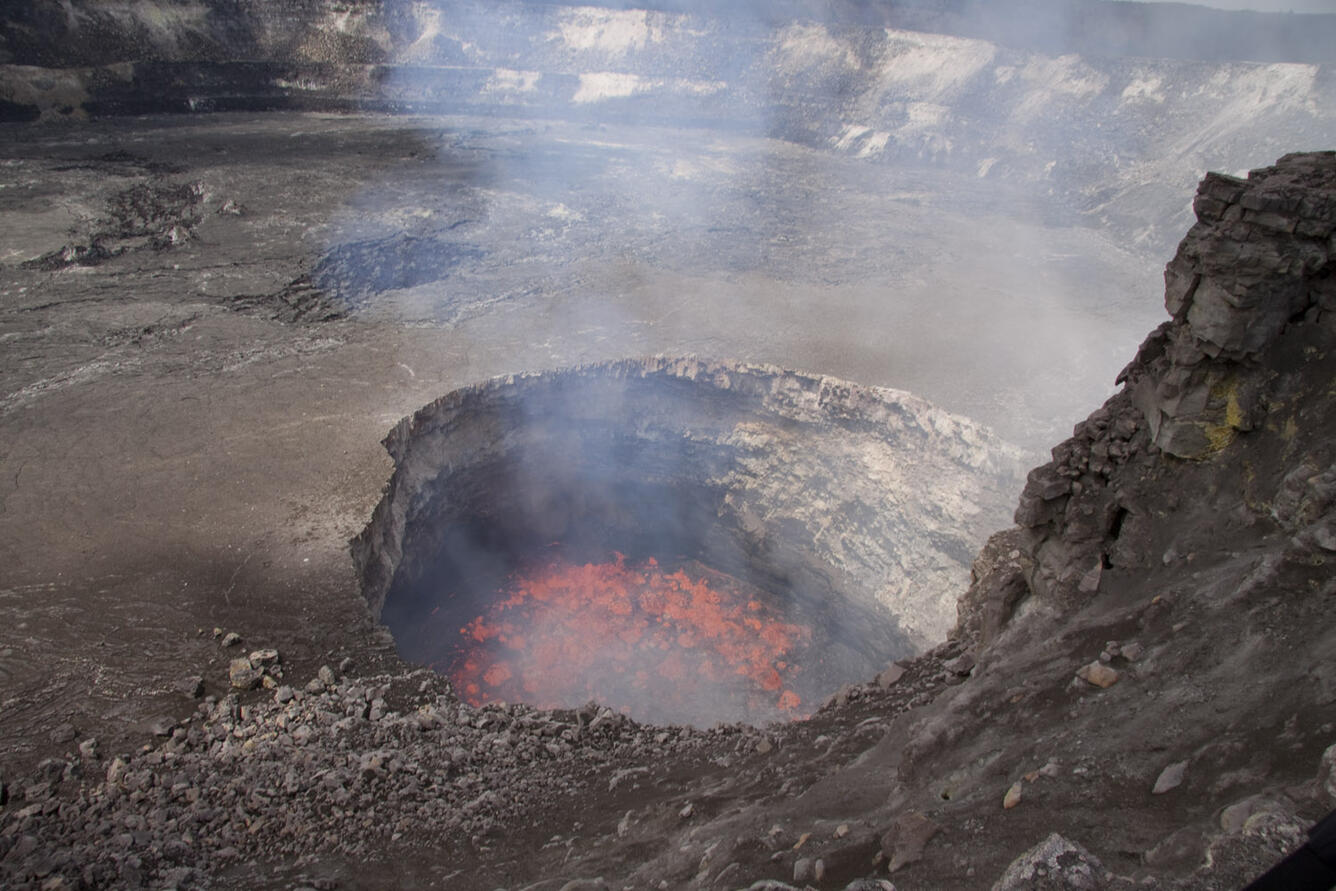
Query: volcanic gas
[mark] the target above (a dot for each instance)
(686, 541)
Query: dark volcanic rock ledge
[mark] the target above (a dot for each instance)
(1161, 624)
(1252, 299)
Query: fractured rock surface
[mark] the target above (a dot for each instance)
(1242, 364)
(1181, 535)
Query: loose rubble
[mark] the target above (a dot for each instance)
(351, 765)
(297, 773)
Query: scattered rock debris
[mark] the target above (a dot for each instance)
(1098, 674)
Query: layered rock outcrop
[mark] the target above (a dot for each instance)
(1160, 615)
(1257, 260)
(1252, 296)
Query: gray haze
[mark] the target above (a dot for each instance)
(954, 199)
(979, 224)
(1304, 6)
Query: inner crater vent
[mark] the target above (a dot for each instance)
(687, 541)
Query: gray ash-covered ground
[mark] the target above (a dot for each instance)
(178, 456)
(529, 245)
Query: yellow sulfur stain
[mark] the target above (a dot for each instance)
(1233, 411)
(1219, 436)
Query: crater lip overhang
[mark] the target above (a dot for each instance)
(861, 507)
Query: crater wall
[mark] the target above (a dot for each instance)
(865, 503)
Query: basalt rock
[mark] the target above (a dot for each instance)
(1252, 298)
(1055, 863)
(1257, 261)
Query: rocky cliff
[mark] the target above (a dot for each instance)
(1251, 296)
(1160, 616)
(1140, 690)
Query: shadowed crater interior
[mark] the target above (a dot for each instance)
(687, 541)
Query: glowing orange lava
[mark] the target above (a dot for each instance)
(691, 645)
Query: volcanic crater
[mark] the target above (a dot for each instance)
(209, 320)
(688, 541)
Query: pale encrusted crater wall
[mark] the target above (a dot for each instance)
(863, 490)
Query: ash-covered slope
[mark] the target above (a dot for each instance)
(1140, 691)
